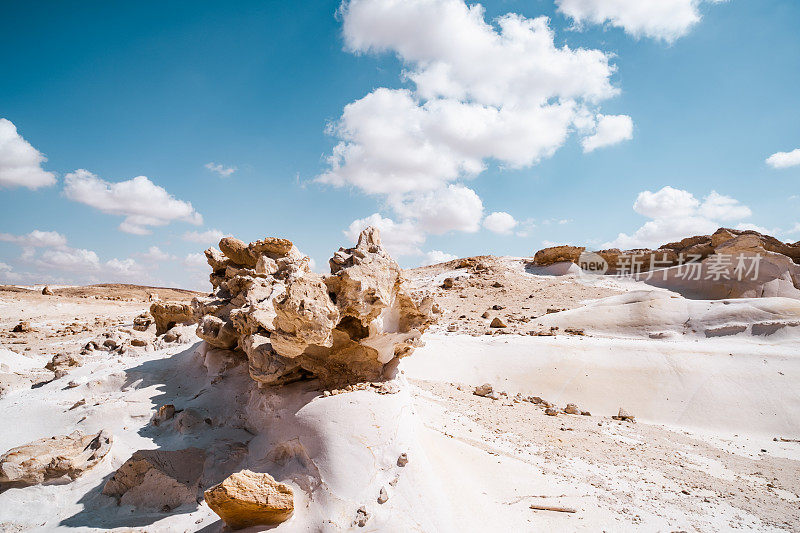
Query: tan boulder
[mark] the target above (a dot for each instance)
(272, 247)
(158, 479)
(558, 254)
(497, 322)
(169, 314)
(54, 457)
(248, 499)
(47, 291)
(237, 251)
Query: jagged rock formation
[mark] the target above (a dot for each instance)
(248, 498)
(293, 323)
(53, 458)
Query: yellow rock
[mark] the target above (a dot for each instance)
(249, 499)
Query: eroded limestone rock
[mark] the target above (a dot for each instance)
(248, 498)
(168, 314)
(293, 323)
(158, 479)
(53, 458)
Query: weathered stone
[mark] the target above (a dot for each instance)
(143, 321)
(62, 362)
(624, 415)
(294, 324)
(483, 390)
(169, 314)
(572, 409)
(448, 283)
(248, 499)
(164, 413)
(383, 496)
(497, 322)
(237, 251)
(47, 291)
(272, 247)
(558, 254)
(158, 479)
(362, 517)
(217, 332)
(23, 327)
(53, 458)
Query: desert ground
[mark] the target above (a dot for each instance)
(612, 405)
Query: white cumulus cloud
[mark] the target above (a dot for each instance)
(222, 170)
(500, 222)
(69, 259)
(20, 163)
(452, 208)
(610, 129)
(503, 92)
(36, 238)
(139, 200)
(500, 91)
(784, 159)
(154, 254)
(400, 238)
(675, 214)
(666, 20)
(437, 256)
(195, 260)
(211, 236)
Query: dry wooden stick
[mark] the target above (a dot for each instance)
(552, 508)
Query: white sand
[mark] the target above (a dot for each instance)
(706, 406)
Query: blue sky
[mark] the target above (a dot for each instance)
(699, 99)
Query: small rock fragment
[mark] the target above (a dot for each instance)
(483, 390)
(361, 517)
(497, 322)
(383, 497)
(402, 460)
(572, 409)
(23, 327)
(624, 415)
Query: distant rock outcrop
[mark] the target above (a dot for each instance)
(52, 458)
(293, 323)
(558, 254)
(722, 265)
